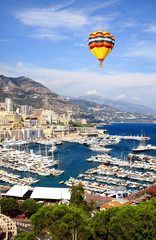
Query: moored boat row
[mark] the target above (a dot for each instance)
(29, 162)
(16, 179)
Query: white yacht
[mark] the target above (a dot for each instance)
(53, 149)
(142, 148)
(96, 147)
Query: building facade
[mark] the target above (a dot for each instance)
(25, 109)
(7, 117)
(8, 104)
(49, 116)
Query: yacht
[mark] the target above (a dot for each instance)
(56, 172)
(142, 148)
(53, 149)
(96, 147)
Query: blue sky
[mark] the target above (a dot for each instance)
(46, 40)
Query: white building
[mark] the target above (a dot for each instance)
(8, 104)
(25, 109)
(49, 116)
(32, 133)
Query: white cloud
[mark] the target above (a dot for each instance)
(59, 82)
(90, 92)
(5, 40)
(151, 28)
(77, 83)
(58, 20)
(20, 64)
(121, 97)
(135, 99)
(94, 6)
(48, 34)
(85, 79)
(52, 18)
(127, 23)
(80, 45)
(145, 49)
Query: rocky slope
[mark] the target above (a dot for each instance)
(24, 91)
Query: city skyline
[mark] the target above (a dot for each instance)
(47, 41)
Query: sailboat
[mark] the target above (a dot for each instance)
(143, 147)
(56, 172)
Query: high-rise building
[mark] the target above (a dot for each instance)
(25, 109)
(8, 104)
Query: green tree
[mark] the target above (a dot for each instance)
(146, 220)
(101, 223)
(9, 206)
(77, 195)
(123, 224)
(71, 123)
(63, 222)
(29, 206)
(77, 199)
(74, 223)
(25, 236)
(42, 219)
(126, 222)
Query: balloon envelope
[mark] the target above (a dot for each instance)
(101, 43)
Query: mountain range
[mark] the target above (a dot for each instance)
(25, 91)
(120, 105)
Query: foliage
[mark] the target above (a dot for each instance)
(73, 124)
(126, 222)
(101, 223)
(25, 236)
(9, 206)
(77, 195)
(63, 222)
(40, 219)
(73, 222)
(146, 219)
(30, 206)
(77, 199)
(122, 227)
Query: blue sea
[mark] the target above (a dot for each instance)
(73, 156)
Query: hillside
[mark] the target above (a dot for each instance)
(121, 105)
(24, 90)
(103, 113)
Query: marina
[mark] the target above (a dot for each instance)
(23, 161)
(99, 171)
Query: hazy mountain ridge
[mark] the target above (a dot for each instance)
(85, 105)
(24, 90)
(121, 105)
(99, 113)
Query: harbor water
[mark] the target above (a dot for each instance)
(72, 156)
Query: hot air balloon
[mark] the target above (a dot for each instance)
(101, 43)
